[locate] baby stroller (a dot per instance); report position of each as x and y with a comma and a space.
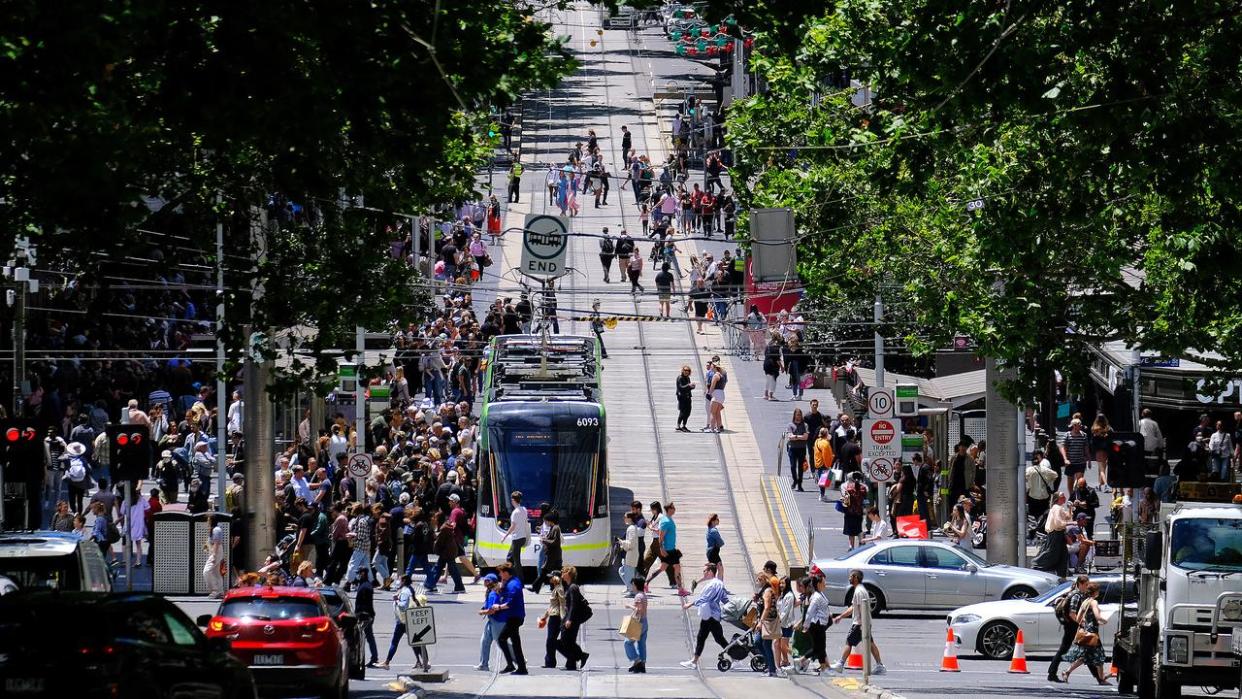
741, 613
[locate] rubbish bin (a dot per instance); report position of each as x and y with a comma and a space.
199, 539
172, 567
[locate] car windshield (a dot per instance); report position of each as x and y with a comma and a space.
854, 552
972, 557
1051, 594
552, 465
1207, 544
270, 608
43, 572
333, 600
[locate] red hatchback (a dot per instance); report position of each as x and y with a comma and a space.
287, 638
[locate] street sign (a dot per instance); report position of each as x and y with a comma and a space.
907, 397
880, 470
545, 241
880, 439
420, 626
880, 402
359, 465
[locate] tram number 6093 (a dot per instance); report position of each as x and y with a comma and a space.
588, 422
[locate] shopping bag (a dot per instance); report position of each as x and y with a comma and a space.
631, 627
911, 527
807, 381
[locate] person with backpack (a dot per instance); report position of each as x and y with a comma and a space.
77, 475
1066, 609
624, 248
852, 497
577, 612
607, 251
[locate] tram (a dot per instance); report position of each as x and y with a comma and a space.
543, 432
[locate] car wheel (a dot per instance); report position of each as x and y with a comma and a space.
1019, 592
996, 640
877, 600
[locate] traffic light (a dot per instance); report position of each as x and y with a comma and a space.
1126, 467
131, 451
22, 451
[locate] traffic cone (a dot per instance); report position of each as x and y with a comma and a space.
1112, 666
855, 661
949, 662
1018, 664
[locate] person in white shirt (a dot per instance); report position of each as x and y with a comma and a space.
880, 529
815, 623
858, 607
629, 548
235, 414
1041, 480
132, 405
519, 529
1153, 438
338, 444
1220, 448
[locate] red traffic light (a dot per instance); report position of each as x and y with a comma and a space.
122, 439
136, 438
12, 434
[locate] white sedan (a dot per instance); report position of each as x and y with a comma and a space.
990, 628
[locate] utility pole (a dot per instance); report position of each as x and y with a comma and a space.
257, 417
222, 396
360, 408
16, 297
1021, 476
878, 316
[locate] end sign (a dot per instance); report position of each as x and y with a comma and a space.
545, 241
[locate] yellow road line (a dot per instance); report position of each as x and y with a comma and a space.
780, 540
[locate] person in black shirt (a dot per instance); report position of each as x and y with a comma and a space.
1069, 625
524, 311
814, 421
364, 609
664, 289
685, 389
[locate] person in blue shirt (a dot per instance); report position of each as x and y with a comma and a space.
666, 549
512, 613
491, 626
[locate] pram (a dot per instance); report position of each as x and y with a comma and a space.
742, 614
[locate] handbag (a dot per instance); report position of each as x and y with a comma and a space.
631, 627
1086, 639
807, 381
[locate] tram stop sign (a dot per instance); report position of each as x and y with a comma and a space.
545, 240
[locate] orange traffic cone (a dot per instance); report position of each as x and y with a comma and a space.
1112, 666
949, 662
1018, 664
855, 661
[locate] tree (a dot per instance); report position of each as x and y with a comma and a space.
106, 105
1039, 176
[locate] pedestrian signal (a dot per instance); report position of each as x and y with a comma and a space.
21, 450
131, 451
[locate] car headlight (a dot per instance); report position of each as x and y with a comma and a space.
966, 618
1232, 609
1179, 650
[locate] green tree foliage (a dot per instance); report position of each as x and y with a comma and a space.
1100, 140
105, 103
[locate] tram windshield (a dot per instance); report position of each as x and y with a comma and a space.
552, 465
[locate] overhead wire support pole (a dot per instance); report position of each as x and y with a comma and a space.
881, 489
222, 396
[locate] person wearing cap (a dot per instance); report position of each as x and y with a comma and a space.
168, 475
491, 627
460, 522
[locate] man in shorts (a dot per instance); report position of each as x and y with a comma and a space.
858, 607
666, 549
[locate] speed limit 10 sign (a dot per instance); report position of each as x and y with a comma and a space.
880, 402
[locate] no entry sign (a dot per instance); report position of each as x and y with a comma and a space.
881, 439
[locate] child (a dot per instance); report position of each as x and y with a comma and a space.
644, 215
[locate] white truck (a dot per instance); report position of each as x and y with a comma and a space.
1189, 617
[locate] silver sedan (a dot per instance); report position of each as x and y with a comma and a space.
917, 574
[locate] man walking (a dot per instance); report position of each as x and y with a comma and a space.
1067, 614
624, 248
627, 141
666, 549
512, 613
712, 596
515, 181
858, 607
519, 530
577, 611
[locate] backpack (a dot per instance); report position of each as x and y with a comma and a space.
77, 471
853, 502
584, 611
1061, 609
605, 246
112, 534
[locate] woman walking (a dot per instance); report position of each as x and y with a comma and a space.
635, 271
716, 392
636, 651
796, 363
551, 541
607, 252
630, 555
491, 627
772, 366
1087, 649
756, 328
790, 609
795, 448
769, 624
577, 611
815, 623
1100, 432
715, 542
552, 618
685, 389
402, 601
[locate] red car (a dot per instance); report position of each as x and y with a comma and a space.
288, 639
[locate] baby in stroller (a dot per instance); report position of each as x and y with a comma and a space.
742, 613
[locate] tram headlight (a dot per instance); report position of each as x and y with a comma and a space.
1179, 650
